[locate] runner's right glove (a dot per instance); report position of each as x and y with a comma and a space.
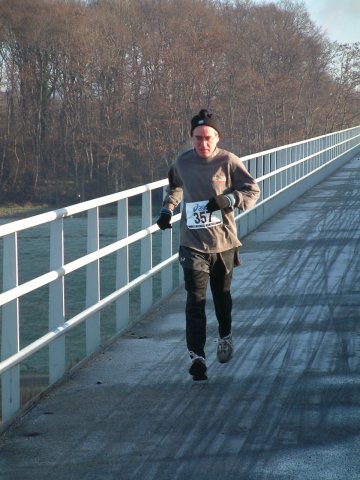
163, 222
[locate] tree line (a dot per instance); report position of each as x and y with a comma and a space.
97, 96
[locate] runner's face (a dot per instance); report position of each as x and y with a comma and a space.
205, 140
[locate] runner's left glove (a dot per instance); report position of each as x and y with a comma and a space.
220, 202
163, 222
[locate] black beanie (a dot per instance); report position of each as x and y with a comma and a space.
205, 118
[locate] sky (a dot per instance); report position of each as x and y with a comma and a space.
338, 19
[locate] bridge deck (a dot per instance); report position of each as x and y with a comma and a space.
286, 407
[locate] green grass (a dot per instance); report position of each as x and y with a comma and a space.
21, 211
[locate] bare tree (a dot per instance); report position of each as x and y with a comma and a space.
96, 96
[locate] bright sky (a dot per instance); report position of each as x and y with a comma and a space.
340, 19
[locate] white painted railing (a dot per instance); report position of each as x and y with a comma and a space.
282, 173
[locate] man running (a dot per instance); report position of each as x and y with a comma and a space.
212, 182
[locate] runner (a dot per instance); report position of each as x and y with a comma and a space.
212, 182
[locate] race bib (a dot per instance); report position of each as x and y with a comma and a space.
198, 217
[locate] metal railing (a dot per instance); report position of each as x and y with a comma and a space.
283, 174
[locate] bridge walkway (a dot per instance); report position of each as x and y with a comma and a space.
286, 406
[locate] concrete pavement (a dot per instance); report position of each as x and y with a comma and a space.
286, 406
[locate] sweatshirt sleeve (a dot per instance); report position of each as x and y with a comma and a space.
245, 189
174, 192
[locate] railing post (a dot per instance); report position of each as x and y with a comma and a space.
93, 283
122, 266
10, 335
273, 167
266, 170
254, 168
56, 302
283, 164
305, 163
166, 252
146, 254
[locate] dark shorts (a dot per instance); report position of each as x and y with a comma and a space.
203, 262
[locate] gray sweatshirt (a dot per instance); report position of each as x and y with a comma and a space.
195, 180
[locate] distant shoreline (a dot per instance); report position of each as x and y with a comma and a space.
21, 211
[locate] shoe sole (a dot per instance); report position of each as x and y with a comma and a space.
198, 371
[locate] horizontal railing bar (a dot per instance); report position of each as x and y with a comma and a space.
46, 339
49, 277
47, 217
305, 159
301, 142
290, 185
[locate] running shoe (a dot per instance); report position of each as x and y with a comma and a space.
198, 367
225, 349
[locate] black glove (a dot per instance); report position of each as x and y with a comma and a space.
163, 222
220, 202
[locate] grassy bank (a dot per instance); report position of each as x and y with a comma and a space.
22, 211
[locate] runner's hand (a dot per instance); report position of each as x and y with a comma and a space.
220, 202
163, 222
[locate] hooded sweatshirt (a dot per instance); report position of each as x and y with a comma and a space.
195, 180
